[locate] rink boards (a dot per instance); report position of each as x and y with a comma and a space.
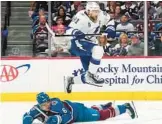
125, 79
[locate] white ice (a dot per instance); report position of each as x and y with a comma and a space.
149, 112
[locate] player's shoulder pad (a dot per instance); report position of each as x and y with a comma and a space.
57, 106
80, 14
55, 101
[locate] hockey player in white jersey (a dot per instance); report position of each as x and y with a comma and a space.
88, 21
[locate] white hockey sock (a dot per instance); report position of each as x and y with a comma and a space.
97, 53
117, 111
93, 68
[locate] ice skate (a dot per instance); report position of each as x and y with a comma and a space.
130, 110
107, 105
93, 79
68, 84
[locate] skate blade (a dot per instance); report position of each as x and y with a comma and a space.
65, 84
135, 110
97, 85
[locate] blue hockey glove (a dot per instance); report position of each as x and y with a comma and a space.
78, 34
111, 32
56, 119
27, 119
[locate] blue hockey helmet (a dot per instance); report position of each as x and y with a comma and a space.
42, 98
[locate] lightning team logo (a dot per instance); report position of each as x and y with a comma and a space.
10, 73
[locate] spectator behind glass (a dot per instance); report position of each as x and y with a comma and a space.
41, 4
74, 7
130, 9
102, 41
121, 49
59, 21
39, 13
160, 46
62, 13
36, 16
152, 14
159, 10
124, 24
32, 8
111, 5
112, 15
41, 28
35, 6
157, 41
80, 7
137, 47
117, 14
60, 45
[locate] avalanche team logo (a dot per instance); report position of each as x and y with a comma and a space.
10, 73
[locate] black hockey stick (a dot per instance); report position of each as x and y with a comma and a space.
135, 110
46, 117
69, 35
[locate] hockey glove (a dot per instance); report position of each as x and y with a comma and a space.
110, 30
56, 119
78, 34
27, 119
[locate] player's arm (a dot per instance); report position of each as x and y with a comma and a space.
106, 18
29, 117
110, 29
109, 24
56, 119
75, 27
64, 115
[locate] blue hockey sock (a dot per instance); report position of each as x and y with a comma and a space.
122, 109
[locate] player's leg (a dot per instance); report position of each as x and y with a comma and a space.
69, 81
97, 54
115, 111
102, 106
94, 114
91, 77
84, 51
90, 55
85, 62
89, 115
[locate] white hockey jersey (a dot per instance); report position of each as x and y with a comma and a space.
83, 23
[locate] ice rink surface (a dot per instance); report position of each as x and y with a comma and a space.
149, 112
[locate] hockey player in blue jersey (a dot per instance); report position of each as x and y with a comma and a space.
88, 21
54, 111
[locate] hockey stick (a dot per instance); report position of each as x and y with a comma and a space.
46, 117
69, 35
134, 108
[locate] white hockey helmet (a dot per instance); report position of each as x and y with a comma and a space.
92, 6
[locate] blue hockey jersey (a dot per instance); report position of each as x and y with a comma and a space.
68, 111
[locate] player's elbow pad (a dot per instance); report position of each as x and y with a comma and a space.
110, 30
27, 119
